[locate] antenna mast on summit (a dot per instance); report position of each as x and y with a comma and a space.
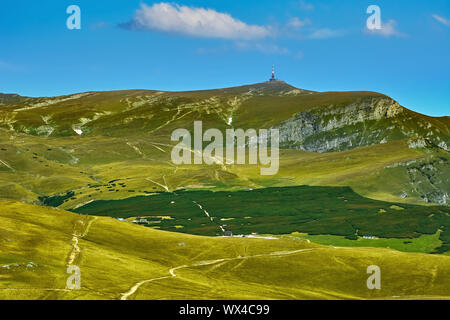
273, 74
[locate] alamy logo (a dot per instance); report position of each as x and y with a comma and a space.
74, 20
244, 144
74, 280
374, 21
374, 281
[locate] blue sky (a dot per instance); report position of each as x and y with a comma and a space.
316, 45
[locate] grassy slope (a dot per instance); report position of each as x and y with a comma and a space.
11, 98
315, 210
36, 166
131, 130
119, 113
116, 255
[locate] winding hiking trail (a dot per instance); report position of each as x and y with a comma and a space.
172, 273
79, 232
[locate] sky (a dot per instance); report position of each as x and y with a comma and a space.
190, 45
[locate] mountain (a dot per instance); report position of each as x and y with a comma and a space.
11, 98
356, 139
312, 121
86, 180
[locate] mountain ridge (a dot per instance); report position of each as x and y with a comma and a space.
97, 129
267, 86
300, 114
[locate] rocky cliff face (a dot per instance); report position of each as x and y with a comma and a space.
362, 123
428, 179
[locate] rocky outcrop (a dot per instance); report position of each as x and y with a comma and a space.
363, 123
427, 179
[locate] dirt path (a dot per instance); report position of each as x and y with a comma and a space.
7, 165
80, 230
172, 273
165, 187
208, 215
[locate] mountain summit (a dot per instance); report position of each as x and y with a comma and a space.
274, 87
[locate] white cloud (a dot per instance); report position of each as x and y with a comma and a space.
308, 31
442, 20
387, 30
325, 33
198, 22
297, 23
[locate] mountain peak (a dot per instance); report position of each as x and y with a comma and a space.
271, 87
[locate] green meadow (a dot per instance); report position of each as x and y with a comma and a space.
334, 211
424, 243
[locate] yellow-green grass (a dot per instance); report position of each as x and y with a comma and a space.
131, 129
424, 243
115, 256
359, 168
46, 166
